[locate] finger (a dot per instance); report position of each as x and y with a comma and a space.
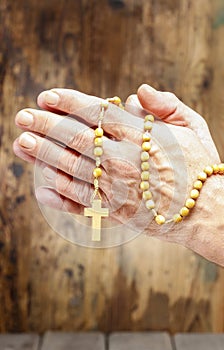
59, 157
68, 131
73, 133
21, 154
50, 197
24, 156
118, 123
71, 188
162, 104
169, 108
59, 181
134, 101
133, 106
45, 195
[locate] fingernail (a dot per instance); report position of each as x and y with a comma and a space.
24, 118
49, 173
27, 141
51, 98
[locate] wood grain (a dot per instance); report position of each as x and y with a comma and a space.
103, 48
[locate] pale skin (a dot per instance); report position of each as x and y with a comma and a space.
181, 146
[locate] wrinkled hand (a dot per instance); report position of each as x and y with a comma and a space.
60, 137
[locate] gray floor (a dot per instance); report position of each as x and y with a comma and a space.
115, 341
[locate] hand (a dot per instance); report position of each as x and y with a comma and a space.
182, 147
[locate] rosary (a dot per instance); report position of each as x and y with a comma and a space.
97, 212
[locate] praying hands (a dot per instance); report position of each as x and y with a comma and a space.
61, 137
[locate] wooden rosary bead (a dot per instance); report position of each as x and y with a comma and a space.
144, 156
190, 203
194, 194
97, 172
144, 185
145, 175
149, 118
146, 195
184, 211
198, 185
177, 218
98, 151
208, 170
99, 132
148, 125
146, 136
160, 219
215, 168
145, 166
98, 141
116, 100
202, 176
146, 146
221, 168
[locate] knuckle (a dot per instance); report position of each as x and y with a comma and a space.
70, 162
77, 191
84, 193
82, 141
66, 100
64, 185
44, 126
45, 149
83, 169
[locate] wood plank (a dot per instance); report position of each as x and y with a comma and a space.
19, 341
199, 341
73, 341
141, 341
91, 45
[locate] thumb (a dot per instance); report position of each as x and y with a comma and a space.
166, 106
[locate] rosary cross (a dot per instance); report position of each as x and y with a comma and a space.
96, 212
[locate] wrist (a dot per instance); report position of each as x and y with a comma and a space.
203, 230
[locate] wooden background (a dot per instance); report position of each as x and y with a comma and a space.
103, 47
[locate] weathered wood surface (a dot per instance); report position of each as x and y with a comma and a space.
143, 341
104, 48
19, 342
